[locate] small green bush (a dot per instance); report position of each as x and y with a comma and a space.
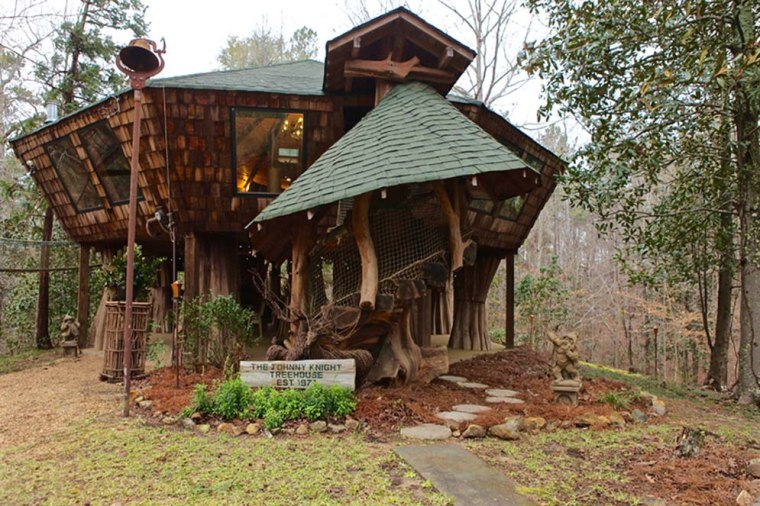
202, 403
235, 399
232, 399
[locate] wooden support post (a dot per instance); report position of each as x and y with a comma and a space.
509, 341
83, 294
299, 283
456, 246
42, 339
192, 271
360, 229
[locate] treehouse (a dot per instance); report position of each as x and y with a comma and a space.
359, 193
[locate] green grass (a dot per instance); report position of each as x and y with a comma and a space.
137, 464
574, 467
19, 361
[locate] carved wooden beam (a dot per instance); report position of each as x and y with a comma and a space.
396, 71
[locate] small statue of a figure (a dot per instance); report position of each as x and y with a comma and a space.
567, 381
70, 335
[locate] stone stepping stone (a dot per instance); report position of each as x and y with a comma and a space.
471, 408
427, 431
501, 392
453, 379
458, 473
456, 416
504, 400
473, 385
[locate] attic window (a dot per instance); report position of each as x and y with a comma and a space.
111, 166
73, 175
268, 149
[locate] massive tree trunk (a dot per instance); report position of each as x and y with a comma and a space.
717, 375
471, 284
748, 165
42, 338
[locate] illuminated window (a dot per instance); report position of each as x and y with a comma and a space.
268, 148
73, 175
110, 164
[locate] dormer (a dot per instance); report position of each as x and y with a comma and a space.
398, 46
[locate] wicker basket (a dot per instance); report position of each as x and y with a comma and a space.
113, 366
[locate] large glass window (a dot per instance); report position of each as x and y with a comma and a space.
111, 166
74, 176
268, 149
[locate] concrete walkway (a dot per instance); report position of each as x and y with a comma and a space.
458, 473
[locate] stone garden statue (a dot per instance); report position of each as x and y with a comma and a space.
567, 382
70, 335
565, 356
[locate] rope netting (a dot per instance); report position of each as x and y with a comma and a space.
406, 236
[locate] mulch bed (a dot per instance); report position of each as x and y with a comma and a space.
160, 388
521, 369
715, 477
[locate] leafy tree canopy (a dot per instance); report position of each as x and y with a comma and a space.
266, 47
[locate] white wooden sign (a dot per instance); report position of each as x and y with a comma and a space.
300, 373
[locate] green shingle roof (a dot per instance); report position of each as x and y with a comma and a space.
412, 136
294, 78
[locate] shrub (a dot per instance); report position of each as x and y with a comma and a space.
202, 403
234, 399
216, 329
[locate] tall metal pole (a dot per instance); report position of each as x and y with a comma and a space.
140, 60
131, 232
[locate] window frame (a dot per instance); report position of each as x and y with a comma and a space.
90, 158
47, 147
233, 145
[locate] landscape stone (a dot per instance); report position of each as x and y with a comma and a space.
503, 431
456, 433
203, 428
225, 427
196, 416
474, 431
754, 468
336, 428
534, 423
188, 423
145, 404
453, 379
627, 416
658, 407
456, 416
427, 431
566, 424
591, 420
639, 416
253, 429
471, 408
616, 419
472, 385
289, 430
501, 392
352, 425
552, 425
515, 423
504, 400
318, 426
168, 420
745, 499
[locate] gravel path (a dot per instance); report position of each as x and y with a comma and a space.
46, 399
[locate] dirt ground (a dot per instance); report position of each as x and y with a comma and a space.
45, 399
